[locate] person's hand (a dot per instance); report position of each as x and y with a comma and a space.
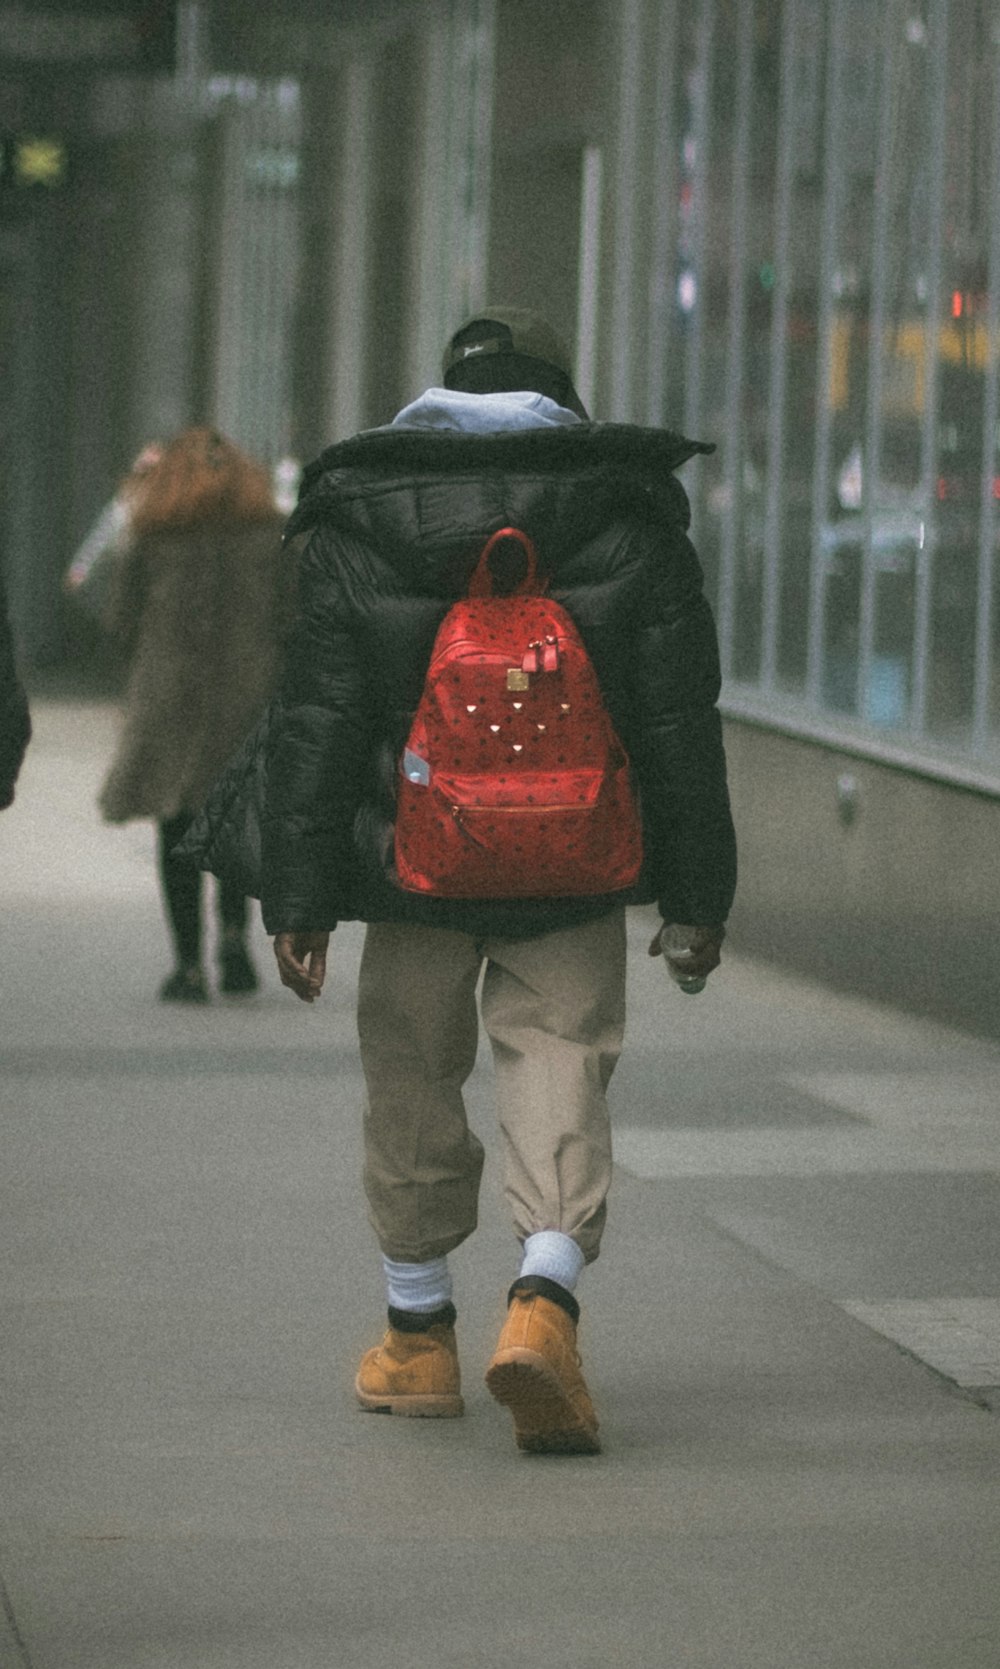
689, 952
301, 961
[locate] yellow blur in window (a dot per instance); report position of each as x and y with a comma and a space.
39, 161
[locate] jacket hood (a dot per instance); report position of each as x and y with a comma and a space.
376, 458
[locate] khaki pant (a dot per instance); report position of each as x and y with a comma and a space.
554, 1011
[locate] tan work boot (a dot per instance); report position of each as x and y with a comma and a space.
535, 1372
412, 1373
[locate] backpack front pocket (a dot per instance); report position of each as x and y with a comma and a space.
524, 834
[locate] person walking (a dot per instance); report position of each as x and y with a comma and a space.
199, 603
396, 521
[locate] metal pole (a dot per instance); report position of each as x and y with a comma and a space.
876, 349
266, 205
630, 43
832, 200
352, 186
478, 54
432, 322
470, 104
453, 274
284, 246
588, 270
771, 599
988, 527
663, 252
192, 50
733, 520
693, 366
938, 48
231, 277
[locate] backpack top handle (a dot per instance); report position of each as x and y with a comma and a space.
484, 581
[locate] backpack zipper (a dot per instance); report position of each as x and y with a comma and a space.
460, 813
488, 659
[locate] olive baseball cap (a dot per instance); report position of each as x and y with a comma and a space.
515, 331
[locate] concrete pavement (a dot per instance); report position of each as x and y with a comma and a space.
793, 1335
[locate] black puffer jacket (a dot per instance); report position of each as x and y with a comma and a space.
397, 519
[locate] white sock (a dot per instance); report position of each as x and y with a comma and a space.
417, 1286
553, 1255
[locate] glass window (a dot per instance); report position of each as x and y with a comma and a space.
835, 203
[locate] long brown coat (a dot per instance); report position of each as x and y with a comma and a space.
203, 611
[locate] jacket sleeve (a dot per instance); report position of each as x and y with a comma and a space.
318, 749
15, 723
93, 573
679, 756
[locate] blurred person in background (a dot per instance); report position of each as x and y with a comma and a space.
199, 605
15, 723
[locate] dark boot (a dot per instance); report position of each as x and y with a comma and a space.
186, 985
237, 973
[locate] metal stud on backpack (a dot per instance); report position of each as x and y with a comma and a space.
513, 782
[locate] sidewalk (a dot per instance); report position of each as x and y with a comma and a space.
793, 1335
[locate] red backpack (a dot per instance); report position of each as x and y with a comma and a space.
513, 783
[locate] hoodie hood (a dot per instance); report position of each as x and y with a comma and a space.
482, 414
